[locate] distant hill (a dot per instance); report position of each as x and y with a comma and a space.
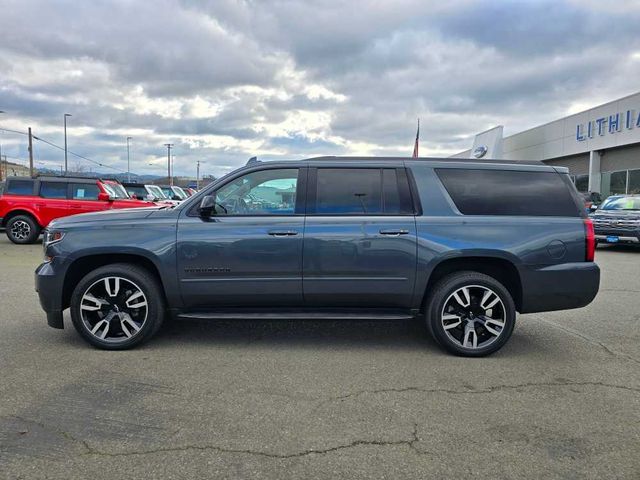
14, 169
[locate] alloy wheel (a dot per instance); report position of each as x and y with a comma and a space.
20, 230
473, 316
114, 309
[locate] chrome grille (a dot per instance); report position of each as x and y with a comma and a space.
617, 223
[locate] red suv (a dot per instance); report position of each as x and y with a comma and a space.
29, 204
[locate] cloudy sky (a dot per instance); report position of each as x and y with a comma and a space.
224, 80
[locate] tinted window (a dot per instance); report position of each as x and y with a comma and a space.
20, 187
267, 192
390, 192
360, 191
85, 191
349, 191
53, 189
502, 192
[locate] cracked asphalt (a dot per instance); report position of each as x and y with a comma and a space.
319, 399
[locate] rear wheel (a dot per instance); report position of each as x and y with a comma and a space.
22, 229
117, 306
470, 314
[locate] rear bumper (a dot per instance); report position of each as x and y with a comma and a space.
559, 287
49, 286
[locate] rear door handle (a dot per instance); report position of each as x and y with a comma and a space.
282, 233
394, 232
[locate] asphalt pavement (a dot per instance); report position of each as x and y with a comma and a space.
320, 399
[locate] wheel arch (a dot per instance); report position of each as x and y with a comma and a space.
500, 268
85, 264
21, 211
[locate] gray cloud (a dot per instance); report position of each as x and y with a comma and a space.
226, 79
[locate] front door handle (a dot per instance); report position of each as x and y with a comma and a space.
282, 233
394, 232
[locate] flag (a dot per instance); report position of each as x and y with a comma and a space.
415, 147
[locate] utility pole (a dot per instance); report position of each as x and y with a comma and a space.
128, 161
198, 175
173, 171
30, 153
65, 142
169, 146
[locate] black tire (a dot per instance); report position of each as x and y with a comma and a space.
477, 282
133, 277
22, 229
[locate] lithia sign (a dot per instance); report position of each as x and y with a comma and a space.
611, 124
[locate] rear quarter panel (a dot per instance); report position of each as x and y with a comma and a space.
529, 243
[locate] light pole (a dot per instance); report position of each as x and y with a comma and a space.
128, 161
169, 146
65, 143
198, 175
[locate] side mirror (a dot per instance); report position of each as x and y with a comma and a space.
593, 208
207, 206
150, 198
176, 197
105, 197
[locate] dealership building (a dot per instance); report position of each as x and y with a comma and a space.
600, 146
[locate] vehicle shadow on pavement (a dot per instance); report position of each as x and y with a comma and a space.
405, 335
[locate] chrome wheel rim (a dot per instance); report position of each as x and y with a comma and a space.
20, 230
473, 317
114, 309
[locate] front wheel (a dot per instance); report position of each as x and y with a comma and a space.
470, 314
117, 306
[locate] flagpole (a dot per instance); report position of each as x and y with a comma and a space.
417, 142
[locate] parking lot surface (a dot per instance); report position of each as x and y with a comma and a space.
319, 399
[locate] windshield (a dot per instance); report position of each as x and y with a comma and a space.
110, 190
178, 191
622, 203
157, 192
137, 190
119, 190
168, 193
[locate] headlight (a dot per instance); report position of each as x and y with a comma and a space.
52, 237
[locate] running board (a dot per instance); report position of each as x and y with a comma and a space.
300, 314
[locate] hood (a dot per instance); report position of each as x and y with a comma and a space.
122, 214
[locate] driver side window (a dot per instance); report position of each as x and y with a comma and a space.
266, 192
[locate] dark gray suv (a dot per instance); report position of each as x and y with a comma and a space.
462, 244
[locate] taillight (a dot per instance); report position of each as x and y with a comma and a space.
590, 240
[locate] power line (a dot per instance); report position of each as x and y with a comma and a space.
60, 148
13, 131
75, 154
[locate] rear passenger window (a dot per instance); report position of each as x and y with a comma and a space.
19, 187
53, 189
505, 192
349, 191
85, 191
360, 191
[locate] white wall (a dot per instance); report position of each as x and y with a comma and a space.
559, 138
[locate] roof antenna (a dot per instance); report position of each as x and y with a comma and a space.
253, 161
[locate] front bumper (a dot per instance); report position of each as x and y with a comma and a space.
559, 287
624, 236
49, 286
